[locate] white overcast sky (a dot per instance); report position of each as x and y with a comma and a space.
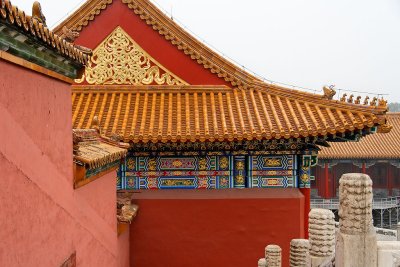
352, 44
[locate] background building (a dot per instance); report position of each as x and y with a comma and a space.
376, 155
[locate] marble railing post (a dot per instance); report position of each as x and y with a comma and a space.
273, 256
321, 236
299, 253
262, 262
398, 231
356, 241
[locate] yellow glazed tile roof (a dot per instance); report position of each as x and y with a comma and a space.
35, 27
94, 151
375, 146
251, 110
215, 113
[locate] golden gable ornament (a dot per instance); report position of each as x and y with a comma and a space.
119, 60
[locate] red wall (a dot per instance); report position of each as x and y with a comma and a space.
123, 250
119, 14
214, 228
43, 219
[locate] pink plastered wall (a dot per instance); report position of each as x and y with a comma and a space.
124, 250
43, 220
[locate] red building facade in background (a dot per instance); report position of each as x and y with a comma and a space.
376, 155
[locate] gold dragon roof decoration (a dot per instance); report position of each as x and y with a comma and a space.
120, 60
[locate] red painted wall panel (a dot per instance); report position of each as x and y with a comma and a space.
38, 103
119, 14
214, 228
100, 195
43, 220
123, 249
35, 231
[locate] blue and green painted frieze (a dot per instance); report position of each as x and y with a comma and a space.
214, 171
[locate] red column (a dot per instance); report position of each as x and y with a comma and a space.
307, 206
326, 180
334, 180
364, 170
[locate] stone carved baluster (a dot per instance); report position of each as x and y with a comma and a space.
396, 260
262, 263
321, 236
356, 241
299, 253
398, 232
273, 256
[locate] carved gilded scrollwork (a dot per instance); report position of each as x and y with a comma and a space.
119, 60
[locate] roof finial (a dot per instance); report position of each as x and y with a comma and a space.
385, 128
329, 92
69, 35
37, 13
382, 103
366, 100
95, 124
373, 102
116, 137
343, 98
358, 100
350, 100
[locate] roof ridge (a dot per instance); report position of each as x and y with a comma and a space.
319, 100
35, 27
89, 10
190, 45
172, 32
196, 50
151, 87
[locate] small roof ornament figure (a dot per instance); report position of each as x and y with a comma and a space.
38, 14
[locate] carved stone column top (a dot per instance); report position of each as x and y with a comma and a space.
355, 180
322, 214
299, 253
273, 249
321, 232
300, 243
273, 256
357, 244
355, 210
262, 262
